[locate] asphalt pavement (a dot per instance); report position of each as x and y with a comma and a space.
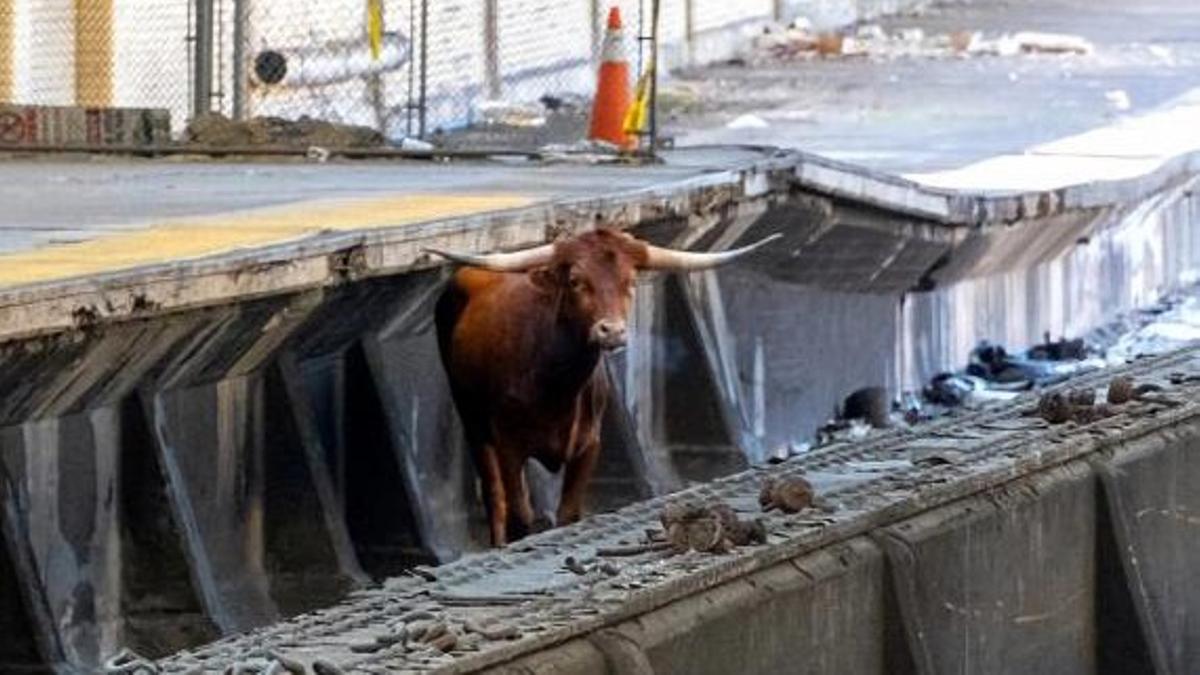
911, 114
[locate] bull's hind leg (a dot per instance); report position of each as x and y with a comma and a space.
494, 496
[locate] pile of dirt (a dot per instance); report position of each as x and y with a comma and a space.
214, 129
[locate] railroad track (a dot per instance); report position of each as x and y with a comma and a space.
489, 608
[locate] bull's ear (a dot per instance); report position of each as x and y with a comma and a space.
545, 277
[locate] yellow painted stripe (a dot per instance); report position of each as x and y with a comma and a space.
195, 237
93, 53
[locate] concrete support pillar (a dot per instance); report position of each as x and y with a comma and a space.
93, 52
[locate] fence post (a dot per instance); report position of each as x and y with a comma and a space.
8, 19
93, 52
597, 32
689, 29
422, 101
491, 49
241, 16
203, 63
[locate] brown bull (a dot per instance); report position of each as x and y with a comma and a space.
521, 336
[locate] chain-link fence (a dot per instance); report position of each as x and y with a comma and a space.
465, 71
484, 68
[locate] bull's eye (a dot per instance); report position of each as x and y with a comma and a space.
577, 283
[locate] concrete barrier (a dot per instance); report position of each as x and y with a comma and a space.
1080, 568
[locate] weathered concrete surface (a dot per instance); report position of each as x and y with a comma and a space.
1015, 557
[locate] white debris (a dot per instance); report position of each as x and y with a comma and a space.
409, 143
1162, 53
870, 31
747, 121
1118, 99
581, 152
790, 115
801, 23
512, 114
1053, 43
872, 41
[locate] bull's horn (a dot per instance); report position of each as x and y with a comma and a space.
517, 261
669, 259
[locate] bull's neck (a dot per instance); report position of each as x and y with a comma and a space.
569, 362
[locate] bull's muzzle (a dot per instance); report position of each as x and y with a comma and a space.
609, 333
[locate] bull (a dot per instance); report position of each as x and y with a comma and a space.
521, 337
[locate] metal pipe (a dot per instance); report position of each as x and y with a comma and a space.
654, 76
424, 68
241, 16
491, 49
202, 66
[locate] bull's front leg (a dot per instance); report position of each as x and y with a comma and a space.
494, 495
577, 475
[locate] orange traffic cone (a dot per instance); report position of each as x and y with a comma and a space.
613, 89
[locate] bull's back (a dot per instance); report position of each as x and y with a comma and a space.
471, 321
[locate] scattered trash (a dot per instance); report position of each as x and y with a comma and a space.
873, 42
1123, 389
574, 566
934, 456
512, 114
128, 662
747, 122
711, 528
1118, 99
491, 630
635, 549
1074, 405
1052, 43
790, 495
415, 144
1162, 53
582, 152
322, 667
1061, 350
869, 404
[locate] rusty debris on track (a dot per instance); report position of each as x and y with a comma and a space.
490, 608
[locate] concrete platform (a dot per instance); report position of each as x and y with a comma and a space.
73, 218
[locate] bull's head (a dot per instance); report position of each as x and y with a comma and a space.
594, 274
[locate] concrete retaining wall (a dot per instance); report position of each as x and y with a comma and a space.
178, 472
